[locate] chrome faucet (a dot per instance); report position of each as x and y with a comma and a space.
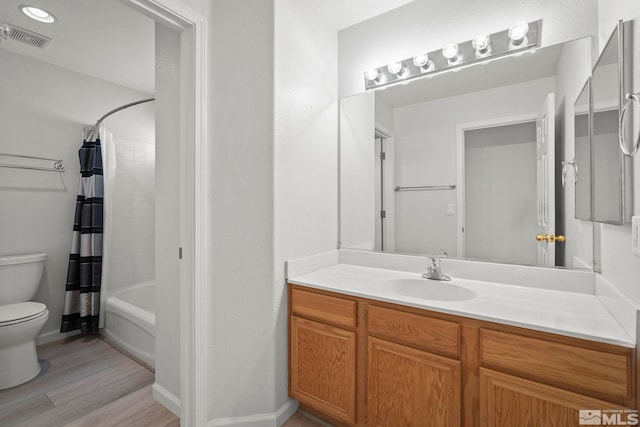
434, 270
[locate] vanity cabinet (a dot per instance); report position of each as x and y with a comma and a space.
538, 380
507, 400
356, 361
322, 364
410, 387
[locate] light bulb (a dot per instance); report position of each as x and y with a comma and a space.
395, 67
38, 14
450, 50
420, 60
482, 45
423, 62
518, 35
451, 53
372, 74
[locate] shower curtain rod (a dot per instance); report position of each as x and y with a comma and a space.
94, 129
122, 107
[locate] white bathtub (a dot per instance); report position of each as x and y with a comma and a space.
130, 321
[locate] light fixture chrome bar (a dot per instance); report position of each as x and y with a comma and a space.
58, 165
426, 187
500, 46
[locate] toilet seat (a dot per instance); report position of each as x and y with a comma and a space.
21, 312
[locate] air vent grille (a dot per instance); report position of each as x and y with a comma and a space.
26, 36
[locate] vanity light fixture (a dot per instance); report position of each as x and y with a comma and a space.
452, 53
423, 62
37, 14
372, 75
397, 69
522, 37
518, 35
482, 45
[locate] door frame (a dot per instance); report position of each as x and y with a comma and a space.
387, 191
192, 29
461, 128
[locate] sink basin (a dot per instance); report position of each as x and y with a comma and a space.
431, 290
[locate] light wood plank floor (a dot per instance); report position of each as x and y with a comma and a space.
84, 382
302, 419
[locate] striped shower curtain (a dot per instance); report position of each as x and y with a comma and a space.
82, 295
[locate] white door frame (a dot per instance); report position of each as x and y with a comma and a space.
388, 190
192, 28
461, 128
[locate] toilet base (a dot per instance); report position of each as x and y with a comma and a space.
18, 364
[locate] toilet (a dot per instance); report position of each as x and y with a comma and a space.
21, 320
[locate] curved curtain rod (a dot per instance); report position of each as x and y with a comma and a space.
122, 107
92, 131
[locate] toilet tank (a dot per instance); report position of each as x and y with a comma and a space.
20, 277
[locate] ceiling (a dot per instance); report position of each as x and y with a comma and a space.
101, 38
111, 41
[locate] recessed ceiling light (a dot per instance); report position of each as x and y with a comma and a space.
36, 13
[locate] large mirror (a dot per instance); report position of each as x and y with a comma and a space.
467, 163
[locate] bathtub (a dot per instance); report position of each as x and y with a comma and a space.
130, 321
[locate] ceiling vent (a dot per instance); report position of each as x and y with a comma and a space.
26, 36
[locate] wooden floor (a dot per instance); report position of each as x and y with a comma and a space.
300, 419
87, 382
84, 382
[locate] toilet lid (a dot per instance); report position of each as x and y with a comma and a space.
21, 312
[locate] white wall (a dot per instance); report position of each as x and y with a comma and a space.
244, 307
619, 265
425, 141
424, 25
306, 148
43, 111
167, 213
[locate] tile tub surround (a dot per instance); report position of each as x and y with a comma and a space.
541, 303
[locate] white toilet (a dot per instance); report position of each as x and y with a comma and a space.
21, 320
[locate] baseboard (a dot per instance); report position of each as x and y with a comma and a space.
275, 419
286, 411
54, 336
167, 399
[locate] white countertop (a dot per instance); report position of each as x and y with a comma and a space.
572, 314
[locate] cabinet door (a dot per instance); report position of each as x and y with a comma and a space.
409, 387
507, 401
323, 368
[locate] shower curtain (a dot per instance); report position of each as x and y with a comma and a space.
84, 274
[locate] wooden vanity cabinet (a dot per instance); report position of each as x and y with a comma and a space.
507, 400
360, 362
543, 379
322, 353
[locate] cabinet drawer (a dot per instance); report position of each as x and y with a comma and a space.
338, 311
565, 365
435, 335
